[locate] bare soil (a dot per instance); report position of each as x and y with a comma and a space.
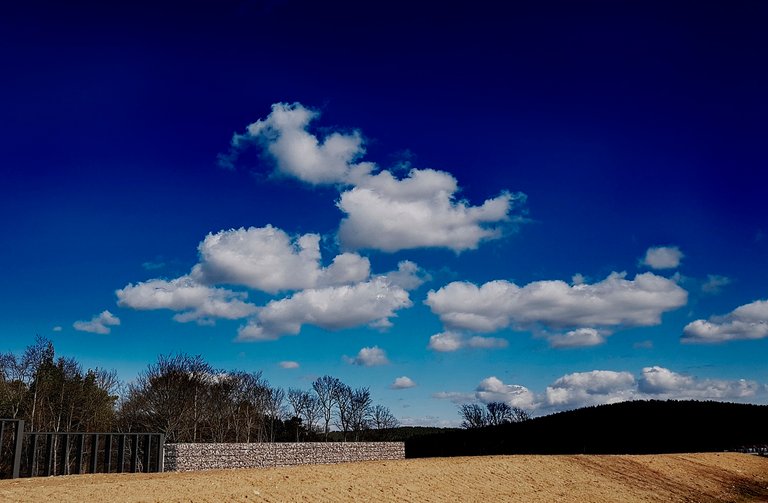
659, 478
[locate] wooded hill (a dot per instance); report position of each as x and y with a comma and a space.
639, 427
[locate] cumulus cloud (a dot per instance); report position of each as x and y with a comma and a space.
99, 324
193, 301
749, 321
369, 357
492, 389
268, 259
579, 338
663, 383
382, 211
612, 302
581, 389
662, 257
371, 302
297, 152
403, 382
289, 364
715, 283
453, 341
388, 214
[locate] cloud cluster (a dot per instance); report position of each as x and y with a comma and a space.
749, 321
382, 212
662, 257
268, 259
452, 341
372, 302
192, 301
612, 302
99, 324
597, 387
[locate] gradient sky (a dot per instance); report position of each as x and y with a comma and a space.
556, 204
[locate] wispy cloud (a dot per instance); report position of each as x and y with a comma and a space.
715, 283
452, 341
99, 324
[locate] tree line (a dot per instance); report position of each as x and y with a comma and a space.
184, 397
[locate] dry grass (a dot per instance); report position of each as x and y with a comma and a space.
664, 478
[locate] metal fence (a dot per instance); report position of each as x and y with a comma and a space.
31, 454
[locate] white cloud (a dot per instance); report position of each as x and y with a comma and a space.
403, 382
715, 283
297, 152
452, 341
597, 387
432, 421
454, 396
662, 257
382, 212
579, 338
613, 302
195, 302
408, 276
99, 324
369, 357
57, 328
372, 302
749, 321
492, 389
268, 259
664, 383
388, 214
289, 364
590, 388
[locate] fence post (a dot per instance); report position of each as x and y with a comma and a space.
17, 449
161, 454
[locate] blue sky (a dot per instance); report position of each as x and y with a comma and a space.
554, 204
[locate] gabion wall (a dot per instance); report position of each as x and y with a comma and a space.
187, 457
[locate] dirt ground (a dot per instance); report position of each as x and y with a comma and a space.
664, 478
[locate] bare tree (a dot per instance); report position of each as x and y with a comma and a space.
494, 413
297, 399
498, 413
360, 405
473, 415
325, 389
382, 418
274, 410
342, 395
519, 415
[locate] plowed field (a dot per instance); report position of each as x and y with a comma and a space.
663, 478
